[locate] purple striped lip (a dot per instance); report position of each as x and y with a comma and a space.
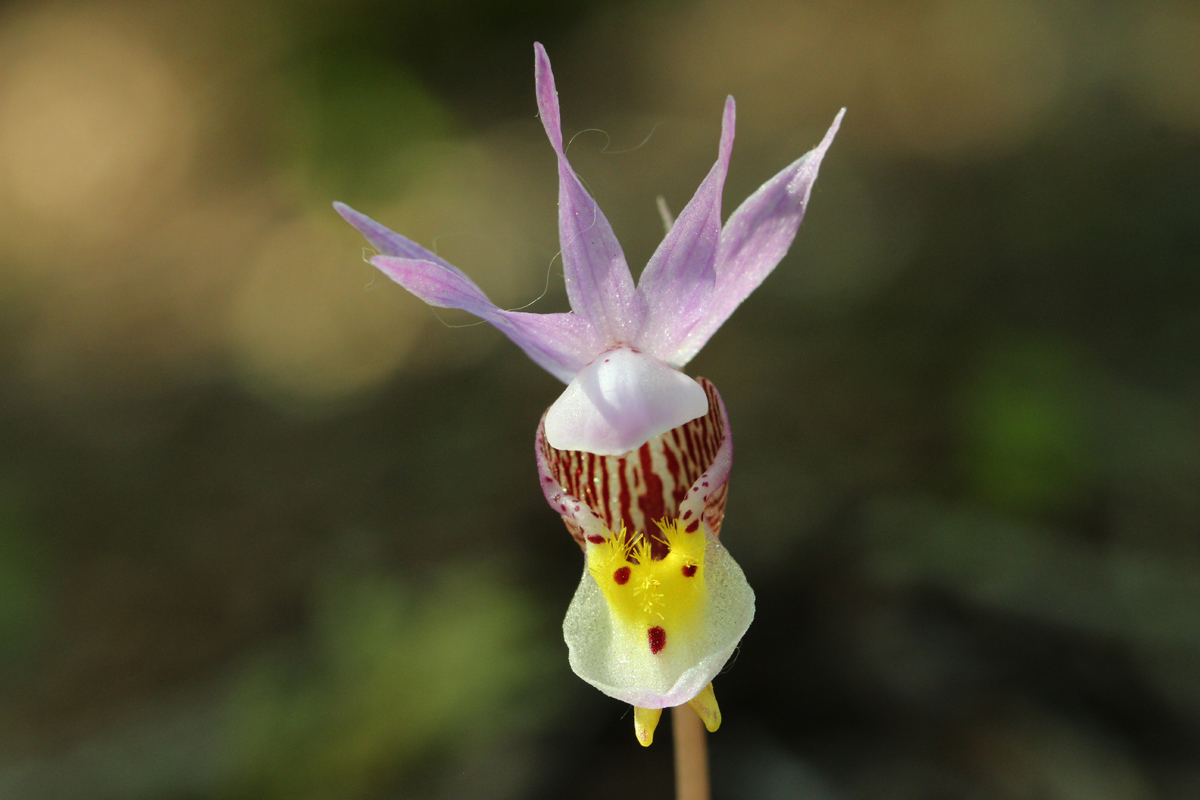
682, 474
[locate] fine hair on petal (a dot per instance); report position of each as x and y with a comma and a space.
608, 142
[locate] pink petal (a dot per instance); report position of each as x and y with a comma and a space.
754, 240
388, 241
562, 344
620, 401
678, 281
599, 284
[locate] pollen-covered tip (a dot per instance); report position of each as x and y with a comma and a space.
645, 720
705, 706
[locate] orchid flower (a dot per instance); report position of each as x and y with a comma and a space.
635, 455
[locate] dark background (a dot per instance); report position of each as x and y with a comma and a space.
270, 527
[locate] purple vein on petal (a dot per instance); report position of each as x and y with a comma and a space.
599, 284
678, 281
756, 237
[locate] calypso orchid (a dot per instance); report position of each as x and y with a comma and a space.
635, 455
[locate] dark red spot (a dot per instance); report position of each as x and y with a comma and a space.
692, 528
687, 514
689, 571
606, 361
658, 639
548, 479
596, 538
704, 484
621, 576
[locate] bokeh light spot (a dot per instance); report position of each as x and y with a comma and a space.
309, 326
93, 125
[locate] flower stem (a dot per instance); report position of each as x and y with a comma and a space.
691, 754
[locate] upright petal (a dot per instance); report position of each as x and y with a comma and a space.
561, 344
755, 239
678, 281
599, 284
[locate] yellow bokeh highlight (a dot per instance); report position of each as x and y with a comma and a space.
644, 593
309, 327
97, 126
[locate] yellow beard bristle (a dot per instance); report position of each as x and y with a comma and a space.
643, 593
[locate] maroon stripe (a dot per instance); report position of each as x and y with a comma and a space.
589, 487
638, 491
692, 450
624, 506
605, 489
653, 504
678, 489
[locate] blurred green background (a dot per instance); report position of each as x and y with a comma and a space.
270, 527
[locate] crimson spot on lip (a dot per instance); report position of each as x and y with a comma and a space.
596, 538
692, 528
687, 514
658, 639
621, 576
689, 571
